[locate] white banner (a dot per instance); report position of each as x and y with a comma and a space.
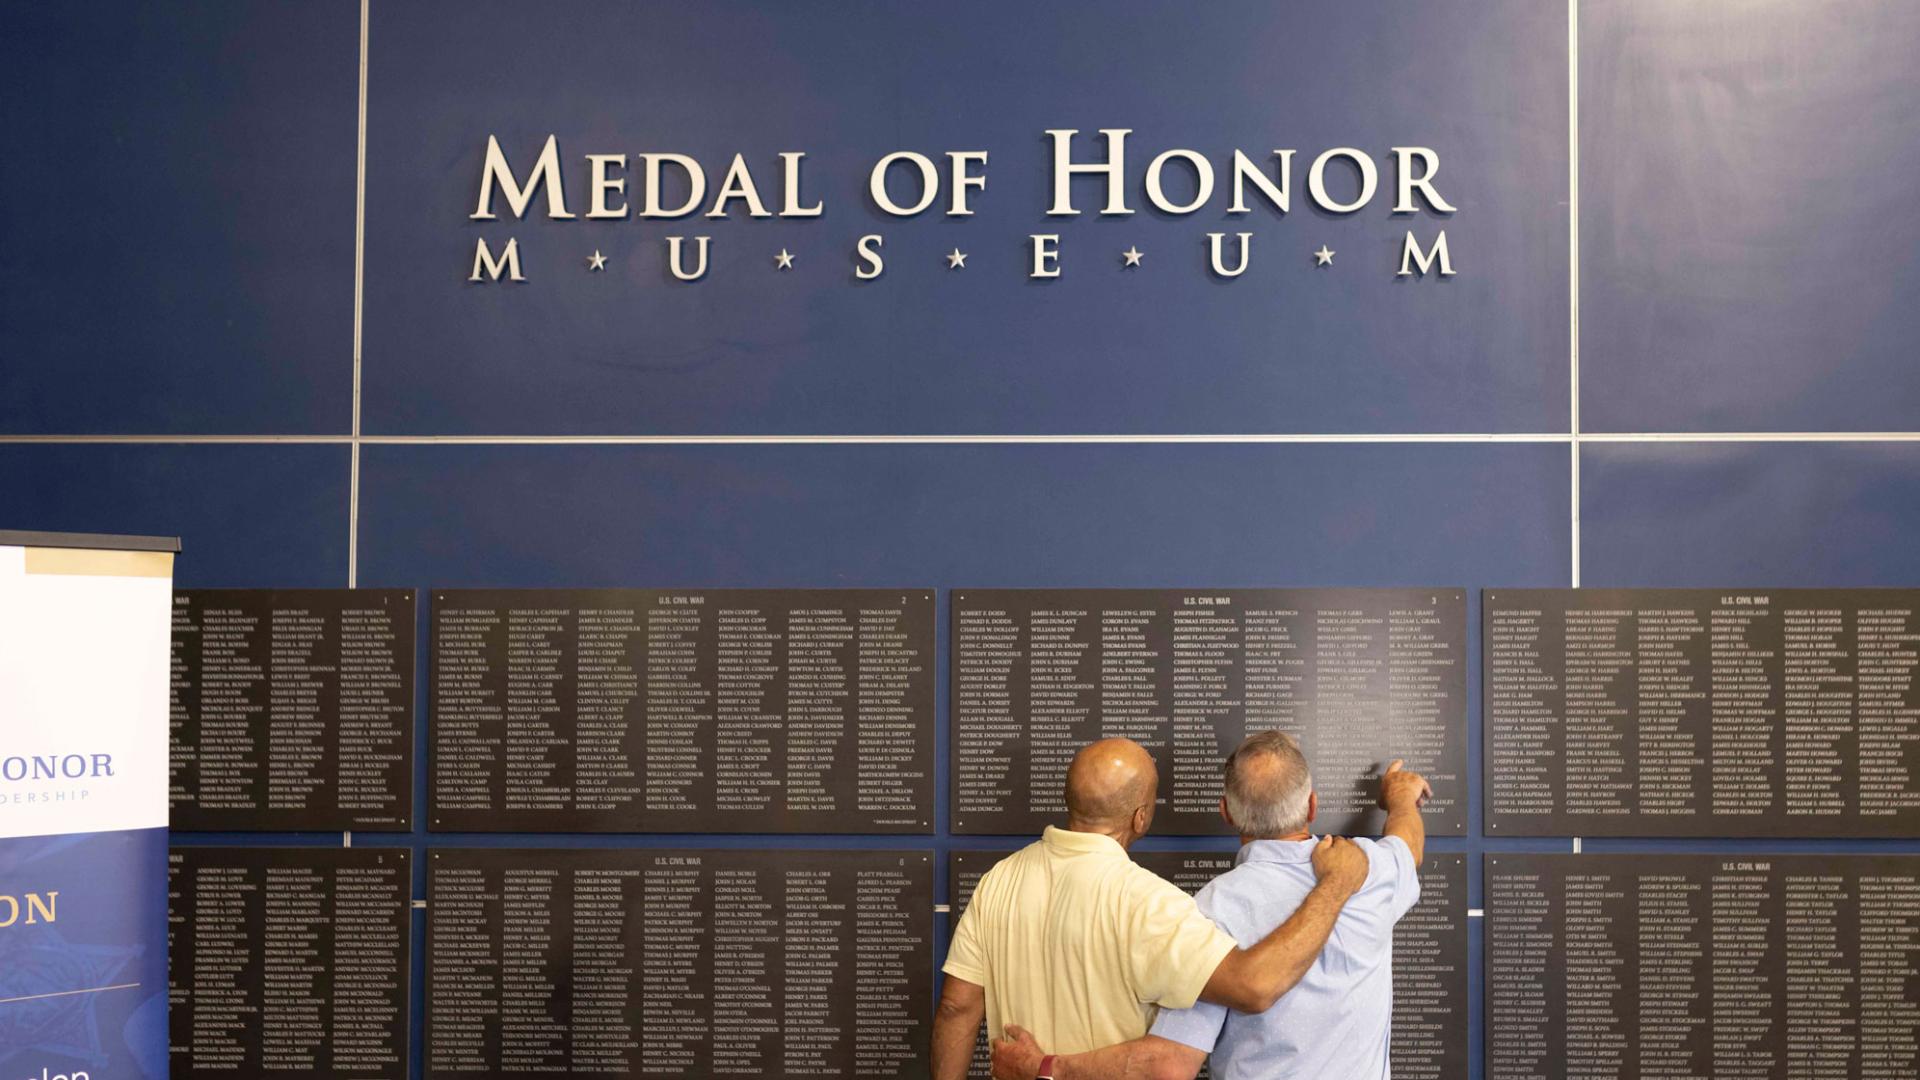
83, 690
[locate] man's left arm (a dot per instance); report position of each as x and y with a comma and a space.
963, 1005
1018, 1057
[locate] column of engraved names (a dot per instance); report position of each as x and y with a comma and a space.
680, 703
297, 673
887, 1013
1887, 651
747, 716
1132, 666
368, 964
821, 658
1817, 706
295, 936
1595, 956
1058, 700
600, 1019
747, 970
988, 732
1820, 994
539, 687
1206, 701
464, 972
1889, 966
1523, 706
606, 689
1274, 666
207, 971
535, 1036
375, 711
1745, 992
1524, 1032
674, 960
1670, 700
1423, 968
183, 703
1671, 1014
887, 736
232, 676
469, 710
1746, 711
1599, 659
1350, 686
1420, 663
811, 1030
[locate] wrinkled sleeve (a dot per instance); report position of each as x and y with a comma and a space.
1397, 871
1198, 1027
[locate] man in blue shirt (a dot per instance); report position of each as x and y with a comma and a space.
1335, 1024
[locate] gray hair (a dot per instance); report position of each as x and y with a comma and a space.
1268, 785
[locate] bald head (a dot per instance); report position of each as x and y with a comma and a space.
1108, 781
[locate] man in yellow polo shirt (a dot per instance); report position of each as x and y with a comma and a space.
1079, 944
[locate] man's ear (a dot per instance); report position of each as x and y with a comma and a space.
1227, 817
1142, 819
1313, 806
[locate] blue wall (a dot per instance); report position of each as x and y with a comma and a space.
184, 321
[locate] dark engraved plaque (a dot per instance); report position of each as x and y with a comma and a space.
724, 710
709, 963
1430, 975
1750, 966
1702, 712
1361, 676
288, 962
1429, 952
292, 709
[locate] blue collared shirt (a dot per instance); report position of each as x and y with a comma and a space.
1337, 1023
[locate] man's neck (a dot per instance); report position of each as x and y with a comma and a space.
1122, 836
1303, 834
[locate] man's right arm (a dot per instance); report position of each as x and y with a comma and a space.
956, 1024
1401, 793
1018, 1057
1252, 979
963, 999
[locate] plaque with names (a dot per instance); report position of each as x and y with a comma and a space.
1702, 712
1752, 966
678, 963
1360, 676
292, 710
289, 962
708, 711
1429, 952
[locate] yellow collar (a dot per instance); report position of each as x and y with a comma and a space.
1066, 841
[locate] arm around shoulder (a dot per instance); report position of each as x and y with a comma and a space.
1018, 1057
1252, 979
